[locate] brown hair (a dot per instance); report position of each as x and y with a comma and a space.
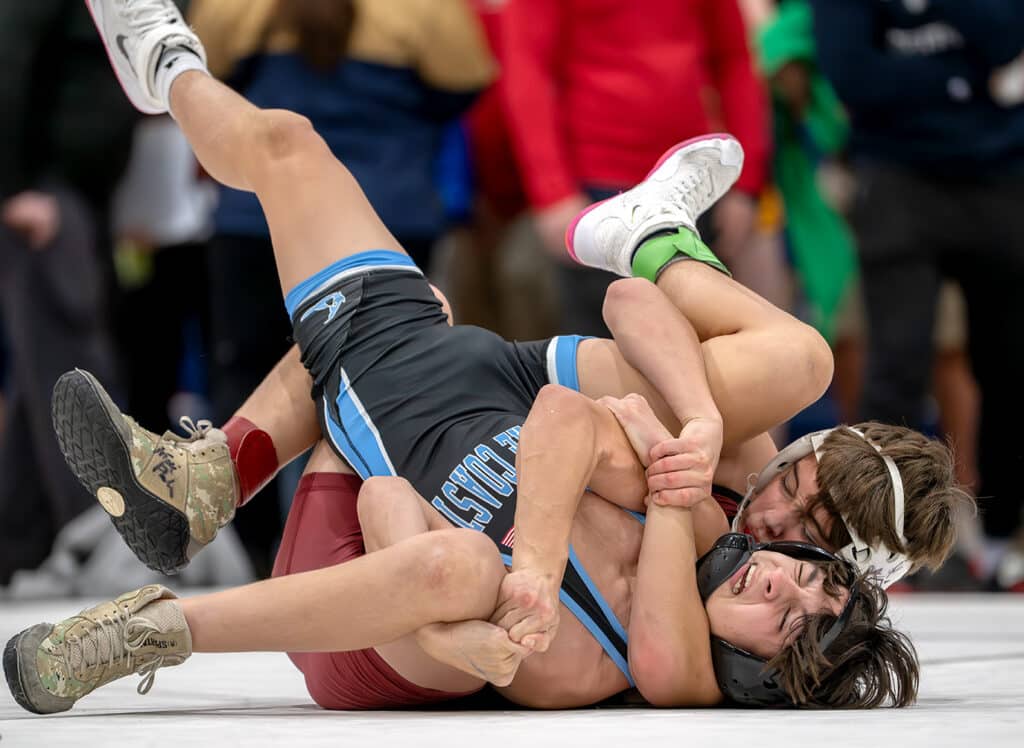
323, 27
869, 664
854, 482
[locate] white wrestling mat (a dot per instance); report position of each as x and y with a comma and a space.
972, 694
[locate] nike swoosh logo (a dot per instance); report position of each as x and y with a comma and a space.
120, 45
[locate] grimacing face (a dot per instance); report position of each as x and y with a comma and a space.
776, 512
758, 609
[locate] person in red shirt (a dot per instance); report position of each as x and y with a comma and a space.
595, 90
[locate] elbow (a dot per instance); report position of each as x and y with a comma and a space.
623, 298
555, 397
653, 672
665, 680
569, 406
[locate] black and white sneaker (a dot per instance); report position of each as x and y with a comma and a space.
136, 34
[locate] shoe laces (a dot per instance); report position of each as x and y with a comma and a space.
200, 434
145, 15
196, 430
113, 641
693, 190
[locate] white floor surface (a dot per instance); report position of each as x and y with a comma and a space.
972, 694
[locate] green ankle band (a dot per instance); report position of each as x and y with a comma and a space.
657, 252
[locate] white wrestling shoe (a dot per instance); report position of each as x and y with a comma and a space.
688, 180
136, 34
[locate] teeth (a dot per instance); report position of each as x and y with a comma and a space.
742, 584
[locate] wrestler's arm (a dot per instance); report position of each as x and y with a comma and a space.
669, 635
645, 432
669, 638
567, 445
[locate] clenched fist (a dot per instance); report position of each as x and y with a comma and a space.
528, 609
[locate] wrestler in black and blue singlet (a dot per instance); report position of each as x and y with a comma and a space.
400, 392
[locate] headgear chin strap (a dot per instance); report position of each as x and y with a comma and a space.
742, 676
889, 566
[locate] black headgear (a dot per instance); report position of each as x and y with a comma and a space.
741, 675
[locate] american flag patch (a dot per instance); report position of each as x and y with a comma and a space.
509, 541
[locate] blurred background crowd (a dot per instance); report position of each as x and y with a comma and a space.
882, 201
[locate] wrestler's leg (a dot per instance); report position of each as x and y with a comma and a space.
762, 364
450, 575
391, 511
317, 215
448, 658
316, 211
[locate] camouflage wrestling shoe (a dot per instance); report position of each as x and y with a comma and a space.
167, 495
50, 667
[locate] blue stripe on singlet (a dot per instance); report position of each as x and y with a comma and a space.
343, 443
588, 622
355, 436
605, 608
606, 645
357, 263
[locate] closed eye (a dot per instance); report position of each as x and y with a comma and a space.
815, 570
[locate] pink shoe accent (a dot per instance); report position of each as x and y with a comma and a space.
571, 231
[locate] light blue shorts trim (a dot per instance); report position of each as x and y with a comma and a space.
561, 360
374, 259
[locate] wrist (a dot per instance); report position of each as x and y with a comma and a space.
544, 565
709, 418
431, 639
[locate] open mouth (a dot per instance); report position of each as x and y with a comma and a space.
742, 578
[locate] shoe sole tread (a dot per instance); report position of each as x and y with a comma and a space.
98, 456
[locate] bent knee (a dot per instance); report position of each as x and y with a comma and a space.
380, 488
379, 498
816, 354
378, 494
283, 134
463, 565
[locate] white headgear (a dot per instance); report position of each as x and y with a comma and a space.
889, 566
